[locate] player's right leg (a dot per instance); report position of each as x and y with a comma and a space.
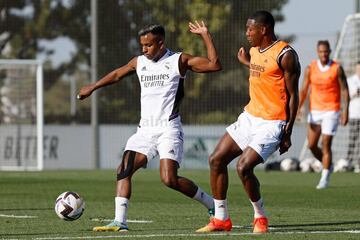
132, 161
245, 169
169, 176
313, 136
326, 161
328, 130
225, 151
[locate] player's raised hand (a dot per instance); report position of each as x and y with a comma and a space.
85, 91
243, 56
198, 28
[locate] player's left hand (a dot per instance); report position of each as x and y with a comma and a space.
344, 118
243, 56
198, 28
285, 143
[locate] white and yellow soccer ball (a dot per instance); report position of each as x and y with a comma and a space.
69, 206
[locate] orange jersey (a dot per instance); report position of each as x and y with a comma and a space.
324, 87
268, 95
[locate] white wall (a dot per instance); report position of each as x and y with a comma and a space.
69, 146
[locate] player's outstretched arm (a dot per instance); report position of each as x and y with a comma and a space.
344, 96
243, 57
211, 63
291, 67
110, 78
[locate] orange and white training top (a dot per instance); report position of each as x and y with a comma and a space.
268, 95
324, 86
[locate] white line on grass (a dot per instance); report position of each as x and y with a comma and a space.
251, 227
15, 216
196, 235
129, 220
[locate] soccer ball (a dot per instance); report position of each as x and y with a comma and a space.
69, 206
305, 165
342, 165
310, 165
289, 164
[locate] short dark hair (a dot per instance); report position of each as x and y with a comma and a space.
323, 42
155, 29
264, 17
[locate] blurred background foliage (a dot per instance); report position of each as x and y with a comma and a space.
27, 27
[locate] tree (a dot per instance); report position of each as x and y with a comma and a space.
26, 23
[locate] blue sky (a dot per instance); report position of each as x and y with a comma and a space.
313, 20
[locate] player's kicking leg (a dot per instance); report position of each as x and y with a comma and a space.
169, 176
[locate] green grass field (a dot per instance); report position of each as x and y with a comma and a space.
296, 209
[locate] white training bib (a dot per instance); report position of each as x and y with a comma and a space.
162, 89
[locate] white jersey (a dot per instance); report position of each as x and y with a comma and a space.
354, 106
162, 89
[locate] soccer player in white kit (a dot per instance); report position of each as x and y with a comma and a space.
161, 74
353, 153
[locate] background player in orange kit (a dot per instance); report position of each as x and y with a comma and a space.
327, 81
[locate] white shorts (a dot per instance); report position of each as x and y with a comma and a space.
168, 143
263, 136
329, 121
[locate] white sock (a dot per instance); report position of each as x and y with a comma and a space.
121, 207
204, 198
221, 211
325, 173
258, 208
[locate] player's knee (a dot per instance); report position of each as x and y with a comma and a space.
242, 169
126, 167
169, 181
215, 162
312, 146
326, 146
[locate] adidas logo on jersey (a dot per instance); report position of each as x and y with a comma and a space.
172, 151
143, 68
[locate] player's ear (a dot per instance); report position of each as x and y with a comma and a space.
264, 30
161, 43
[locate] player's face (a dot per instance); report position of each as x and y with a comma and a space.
254, 32
151, 45
323, 52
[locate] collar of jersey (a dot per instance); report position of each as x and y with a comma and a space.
324, 68
263, 50
166, 54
